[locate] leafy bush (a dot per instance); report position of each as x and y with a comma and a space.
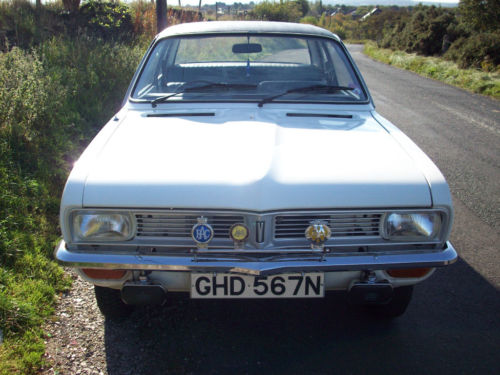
432, 31
425, 31
309, 19
481, 15
144, 18
480, 51
31, 112
25, 25
287, 11
52, 101
55, 94
71, 5
32, 143
96, 74
106, 19
436, 68
17, 21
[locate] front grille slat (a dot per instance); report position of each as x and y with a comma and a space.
342, 225
347, 230
179, 226
350, 222
290, 226
334, 225
175, 220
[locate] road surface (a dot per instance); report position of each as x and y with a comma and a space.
452, 325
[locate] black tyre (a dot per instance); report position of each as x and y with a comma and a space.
110, 303
396, 306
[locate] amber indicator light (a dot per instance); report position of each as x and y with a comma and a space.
409, 272
103, 274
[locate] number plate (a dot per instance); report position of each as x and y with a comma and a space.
223, 285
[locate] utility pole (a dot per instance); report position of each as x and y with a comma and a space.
161, 15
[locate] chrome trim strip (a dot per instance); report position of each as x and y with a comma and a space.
219, 244
244, 264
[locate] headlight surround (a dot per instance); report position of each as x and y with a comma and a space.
101, 226
413, 226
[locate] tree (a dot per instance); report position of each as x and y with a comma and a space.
71, 5
283, 11
317, 8
303, 5
426, 30
481, 15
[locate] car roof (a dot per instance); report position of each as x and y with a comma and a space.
264, 27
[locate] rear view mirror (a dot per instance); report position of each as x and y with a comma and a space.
247, 48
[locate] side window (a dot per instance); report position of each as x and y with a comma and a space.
342, 74
152, 74
315, 54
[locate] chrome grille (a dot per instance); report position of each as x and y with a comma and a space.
342, 225
179, 225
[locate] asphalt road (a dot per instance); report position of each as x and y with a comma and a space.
453, 323
460, 131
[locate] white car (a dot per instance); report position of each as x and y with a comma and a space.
248, 161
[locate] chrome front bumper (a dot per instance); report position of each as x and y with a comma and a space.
238, 263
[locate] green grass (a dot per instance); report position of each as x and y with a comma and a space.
53, 100
26, 300
60, 81
436, 68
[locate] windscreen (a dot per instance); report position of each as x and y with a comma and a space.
248, 68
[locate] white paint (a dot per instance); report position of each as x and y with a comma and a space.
270, 163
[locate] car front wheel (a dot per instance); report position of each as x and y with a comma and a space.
396, 306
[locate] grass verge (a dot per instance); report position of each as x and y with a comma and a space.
439, 69
53, 100
26, 300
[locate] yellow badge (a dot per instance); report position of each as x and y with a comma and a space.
238, 232
318, 232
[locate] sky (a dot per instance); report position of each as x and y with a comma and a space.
347, 2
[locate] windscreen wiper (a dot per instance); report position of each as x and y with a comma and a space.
326, 88
204, 86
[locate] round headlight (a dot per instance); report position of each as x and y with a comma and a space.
412, 226
102, 226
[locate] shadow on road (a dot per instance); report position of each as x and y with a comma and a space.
451, 326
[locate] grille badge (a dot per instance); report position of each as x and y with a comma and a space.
318, 233
238, 233
260, 227
202, 233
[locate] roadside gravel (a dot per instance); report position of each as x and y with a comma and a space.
75, 340
80, 341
